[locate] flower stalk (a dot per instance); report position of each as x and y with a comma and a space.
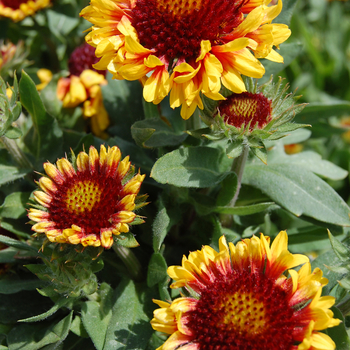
16, 153
238, 167
130, 261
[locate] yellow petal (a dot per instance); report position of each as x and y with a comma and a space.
83, 161
89, 78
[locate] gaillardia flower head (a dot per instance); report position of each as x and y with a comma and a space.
242, 299
88, 202
186, 47
263, 113
17, 10
84, 86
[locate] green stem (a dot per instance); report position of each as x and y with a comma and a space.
130, 261
194, 122
238, 167
17, 154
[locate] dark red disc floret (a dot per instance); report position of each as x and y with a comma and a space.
176, 29
82, 58
89, 221
279, 321
240, 109
13, 4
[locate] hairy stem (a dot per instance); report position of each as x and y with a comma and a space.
130, 261
238, 167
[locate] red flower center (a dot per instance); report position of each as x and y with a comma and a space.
245, 311
86, 200
13, 4
240, 109
82, 58
175, 28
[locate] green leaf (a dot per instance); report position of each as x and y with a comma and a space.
16, 243
11, 173
156, 132
160, 227
157, 270
7, 255
287, 11
260, 152
123, 102
45, 138
96, 316
203, 204
342, 252
189, 167
77, 327
345, 283
308, 239
289, 52
155, 342
18, 227
97, 265
299, 191
129, 327
246, 210
60, 24
10, 286
296, 136
322, 261
13, 132
308, 160
339, 333
141, 158
315, 111
60, 303
126, 240
231, 236
234, 149
15, 205
36, 336
228, 190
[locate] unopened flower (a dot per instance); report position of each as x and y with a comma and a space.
12, 57
187, 48
88, 202
250, 118
84, 86
242, 299
17, 10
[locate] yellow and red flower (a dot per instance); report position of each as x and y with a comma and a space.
86, 89
243, 299
45, 76
87, 203
187, 48
84, 86
17, 10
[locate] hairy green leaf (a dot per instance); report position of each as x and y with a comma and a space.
299, 191
189, 167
